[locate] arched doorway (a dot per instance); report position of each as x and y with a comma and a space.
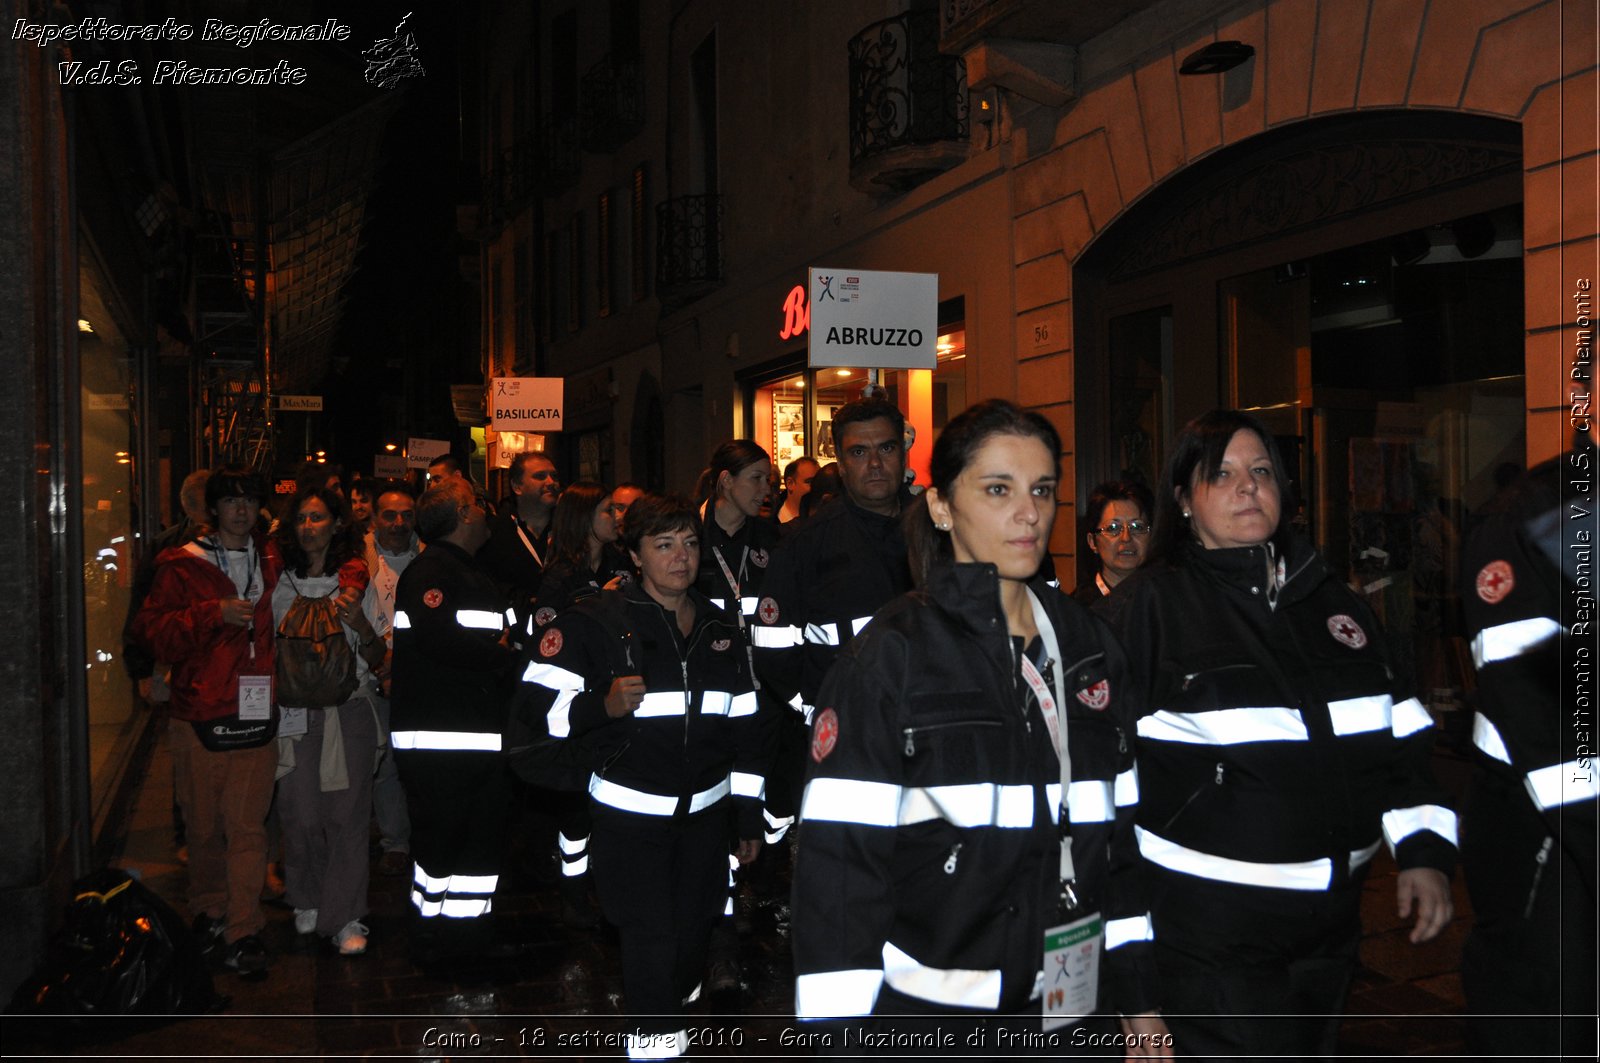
1356, 282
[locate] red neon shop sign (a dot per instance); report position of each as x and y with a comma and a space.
796, 313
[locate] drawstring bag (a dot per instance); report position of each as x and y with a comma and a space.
316, 667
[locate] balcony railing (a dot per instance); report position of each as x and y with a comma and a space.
559, 161
908, 104
688, 247
613, 104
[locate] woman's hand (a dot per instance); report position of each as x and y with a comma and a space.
1427, 890
748, 850
348, 603
627, 691
1147, 1036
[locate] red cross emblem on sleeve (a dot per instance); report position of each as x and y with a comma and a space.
768, 611
1347, 631
1495, 581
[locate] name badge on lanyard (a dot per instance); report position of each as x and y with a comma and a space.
255, 697
1071, 970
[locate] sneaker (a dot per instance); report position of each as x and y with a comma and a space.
208, 932
394, 863
305, 920
247, 955
352, 940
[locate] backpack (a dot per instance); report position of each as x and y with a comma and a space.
316, 668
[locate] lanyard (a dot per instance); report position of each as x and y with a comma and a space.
738, 606
528, 542
1055, 718
250, 592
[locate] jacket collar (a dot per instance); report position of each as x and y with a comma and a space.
970, 592
1244, 569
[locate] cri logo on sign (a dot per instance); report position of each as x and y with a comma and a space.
796, 313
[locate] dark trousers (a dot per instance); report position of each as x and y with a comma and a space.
1528, 968
662, 881
1252, 971
458, 803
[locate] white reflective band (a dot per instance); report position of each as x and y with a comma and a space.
1486, 736
858, 623
402, 622
471, 740
574, 868
1400, 823
1090, 801
478, 619
1359, 715
426, 908
1052, 797
715, 703
727, 907
657, 1045
457, 908
1135, 928
558, 721
1504, 641
630, 800
871, 804
660, 703
954, 987
1307, 875
1126, 789
747, 606
774, 638
1359, 857
552, 676
747, 785
511, 618
834, 994
1225, 727
429, 883
743, 704
1562, 784
822, 634
720, 603
777, 826
1409, 718
473, 883
570, 846
978, 804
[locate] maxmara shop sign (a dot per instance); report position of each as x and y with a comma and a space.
526, 403
873, 318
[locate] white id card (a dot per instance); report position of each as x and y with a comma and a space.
1072, 970
255, 697
292, 722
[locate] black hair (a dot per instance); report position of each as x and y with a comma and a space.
653, 514
379, 488
346, 542
233, 481
825, 486
865, 410
573, 521
438, 511
1197, 455
791, 470
732, 456
954, 450
519, 463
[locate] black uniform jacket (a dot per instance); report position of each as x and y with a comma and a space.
929, 857
1277, 743
451, 671
825, 582
1521, 579
691, 743
748, 554
507, 559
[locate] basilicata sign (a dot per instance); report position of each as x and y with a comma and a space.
873, 318
526, 403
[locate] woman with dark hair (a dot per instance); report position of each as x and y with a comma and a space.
738, 541
649, 686
972, 788
581, 528
1117, 532
1278, 751
326, 752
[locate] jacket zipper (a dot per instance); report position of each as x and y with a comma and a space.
950, 861
1540, 858
1192, 676
911, 732
1216, 780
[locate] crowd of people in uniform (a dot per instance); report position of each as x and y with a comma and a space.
1143, 810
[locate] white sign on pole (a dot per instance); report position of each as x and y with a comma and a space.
389, 466
312, 403
526, 403
873, 319
420, 453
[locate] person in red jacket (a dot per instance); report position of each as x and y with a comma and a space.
209, 613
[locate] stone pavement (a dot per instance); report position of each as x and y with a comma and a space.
564, 1000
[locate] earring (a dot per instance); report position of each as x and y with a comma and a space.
942, 527
1186, 514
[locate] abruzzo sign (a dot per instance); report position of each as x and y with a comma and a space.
526, 403
873, 318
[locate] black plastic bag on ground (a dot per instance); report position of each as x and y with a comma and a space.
121, 951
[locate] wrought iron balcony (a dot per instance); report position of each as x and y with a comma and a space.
688, 247
559, 161
613, 104
908, 104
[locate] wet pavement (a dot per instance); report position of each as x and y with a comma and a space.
563, 1000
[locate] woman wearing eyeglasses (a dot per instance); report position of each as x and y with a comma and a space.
1119, 535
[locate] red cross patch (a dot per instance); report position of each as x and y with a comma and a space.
720, 644
1495, 581
824, 734
758, 558
433, 598
1098, 696
768, 611
544, 616
550, 645
1347, 631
